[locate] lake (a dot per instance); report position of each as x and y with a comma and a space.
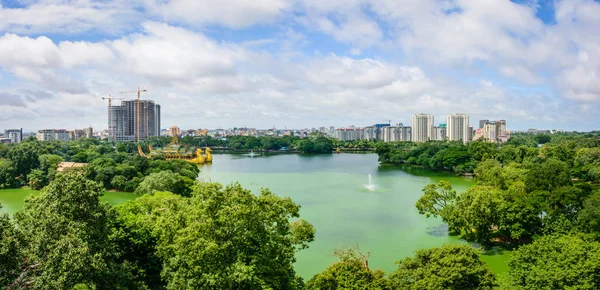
334, 197
331, 190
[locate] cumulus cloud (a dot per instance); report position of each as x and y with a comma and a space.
68, 16
492, 59
230, 13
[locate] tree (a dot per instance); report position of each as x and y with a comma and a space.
350, 272
480, 150
25, 157
439, 200
480, 208
165, 181
119, 182
219, 238
547, 176
556, 262
66, 230
10, 251
436, 198
37, 179
589, 217
542, 138
449, 267
7, 174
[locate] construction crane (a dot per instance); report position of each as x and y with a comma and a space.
139, 91
110, 98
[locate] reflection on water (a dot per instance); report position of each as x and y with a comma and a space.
438, 231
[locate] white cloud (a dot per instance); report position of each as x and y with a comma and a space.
206, 82
69, 16
230, 13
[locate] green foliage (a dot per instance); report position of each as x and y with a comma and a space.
314, 145
35, 163
480, 212
350, 272
7, 174
542, 138
549, 175
25, 157
219, 238
10, 251
165, 181
438, 155
449, 267
436, 199
556, 262
37, 179
589, 217
66, 231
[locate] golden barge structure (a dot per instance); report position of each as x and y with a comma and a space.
177, 151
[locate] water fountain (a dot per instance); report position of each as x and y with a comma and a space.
252, 154
370, 186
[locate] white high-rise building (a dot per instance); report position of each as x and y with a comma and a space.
439, 132
395, 133
457, 127
422, 128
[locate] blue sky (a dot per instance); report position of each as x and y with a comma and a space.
302, 63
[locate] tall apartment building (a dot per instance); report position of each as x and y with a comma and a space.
458, 127
471, 133
123, 120
348, 134
89, 132
370, 133
422, 128
489, 131
374, 132
53, 135
482, 123
15, 135
396, 133
440, 132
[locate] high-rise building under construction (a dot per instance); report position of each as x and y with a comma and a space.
123, 120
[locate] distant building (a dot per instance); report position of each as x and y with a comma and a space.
76, 134
482, 123
471, 133
14, 135
422, 128
493, 131
348, 134
89, 132
174, 131
440, 132
458, 127
396, 133
370, 133
53, 135
123, 120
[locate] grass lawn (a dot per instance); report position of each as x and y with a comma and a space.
13, 200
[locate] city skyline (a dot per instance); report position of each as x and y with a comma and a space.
301, 63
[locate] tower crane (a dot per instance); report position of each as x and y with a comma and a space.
139, 91
110, 98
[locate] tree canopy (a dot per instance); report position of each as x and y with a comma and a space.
556, 262
449, 267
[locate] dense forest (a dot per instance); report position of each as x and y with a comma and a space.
315, 143
542, 202
464, 158
33, 163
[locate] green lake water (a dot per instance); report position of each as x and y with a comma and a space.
331, 190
